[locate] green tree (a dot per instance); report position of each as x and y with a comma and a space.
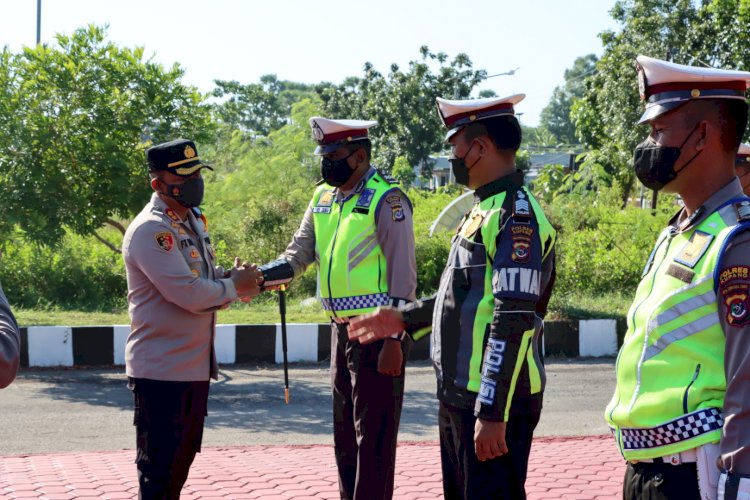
258, 108
403, 103
555, 117
710, 32
403, 172
74, 121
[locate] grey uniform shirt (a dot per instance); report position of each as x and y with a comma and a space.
174, 291
735, 441
10, 343
395, 237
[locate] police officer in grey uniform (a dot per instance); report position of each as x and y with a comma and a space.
367, 381
174, 291
10, 343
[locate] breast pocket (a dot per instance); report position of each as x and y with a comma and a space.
469, 263
192, 256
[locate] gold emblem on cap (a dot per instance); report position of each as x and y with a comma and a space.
189, 152
695, 93
317, 132
349, 139
472, 118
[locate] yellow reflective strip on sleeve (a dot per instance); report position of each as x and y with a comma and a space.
520, 360
535, 379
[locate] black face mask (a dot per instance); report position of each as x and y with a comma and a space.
188, 194
460, 170
336, 172
654, 164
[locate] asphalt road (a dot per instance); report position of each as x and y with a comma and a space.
91, 410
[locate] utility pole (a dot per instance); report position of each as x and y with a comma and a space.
38, 21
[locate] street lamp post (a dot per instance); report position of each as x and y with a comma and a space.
38, 21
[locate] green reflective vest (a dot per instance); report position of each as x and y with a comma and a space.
670, 369
353, 270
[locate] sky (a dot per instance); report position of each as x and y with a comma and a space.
314, 41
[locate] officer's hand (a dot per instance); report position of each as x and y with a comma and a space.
489, 439
390, 358
382, 323
247, 279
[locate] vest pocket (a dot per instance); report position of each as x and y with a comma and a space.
687, 389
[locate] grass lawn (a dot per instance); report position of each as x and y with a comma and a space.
310, 311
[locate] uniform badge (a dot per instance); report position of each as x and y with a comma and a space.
694, 249
397, 212
641, 81
743, 211
317, 131
194, 253
473, 226
521, 247
735, 291
180, 230
394, 198
165, 240
326, 199
195, 273
189, 152
172, 215
365, 199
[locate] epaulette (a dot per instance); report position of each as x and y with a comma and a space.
321, 181
387, 177
197, 212
743, 210
521, 205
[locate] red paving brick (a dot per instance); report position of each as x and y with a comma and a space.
562, 467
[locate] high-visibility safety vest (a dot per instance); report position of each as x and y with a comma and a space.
353, 270
670, 369
529, 281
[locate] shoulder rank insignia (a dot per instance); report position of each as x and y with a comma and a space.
172, 215
165, 240
521, 205
743, 210
694, 249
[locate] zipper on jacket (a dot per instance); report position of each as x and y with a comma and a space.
668, 239
687, 389
330, 257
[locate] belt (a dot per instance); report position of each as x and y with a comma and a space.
683, 457
342, 320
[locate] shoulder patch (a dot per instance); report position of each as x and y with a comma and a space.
521, 247
694, 249
165, 240
734, 285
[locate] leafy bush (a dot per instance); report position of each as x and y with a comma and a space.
77, 273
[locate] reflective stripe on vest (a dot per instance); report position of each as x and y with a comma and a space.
670, 369
353, 269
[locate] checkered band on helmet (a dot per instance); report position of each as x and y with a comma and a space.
683, 428
356, 302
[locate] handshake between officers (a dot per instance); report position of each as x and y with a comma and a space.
174, 291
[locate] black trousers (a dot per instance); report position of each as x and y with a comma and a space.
169, 420
464, 476
660, 481
366, 415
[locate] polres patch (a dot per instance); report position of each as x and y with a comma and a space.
165, 240
521, 246
735, 292
397, 212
